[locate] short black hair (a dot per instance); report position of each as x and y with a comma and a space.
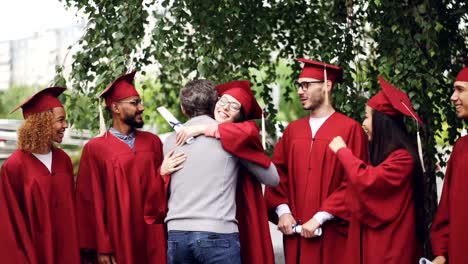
198, 97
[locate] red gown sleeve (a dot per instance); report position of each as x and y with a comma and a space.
90, 207
15, 242
440, 225
279, 194
378, 189
155, 207
243, 140
335, 203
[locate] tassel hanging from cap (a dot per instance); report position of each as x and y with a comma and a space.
420, 151
263, 130
102, 122
325, 85
418, 138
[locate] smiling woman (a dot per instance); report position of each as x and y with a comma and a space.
37, 182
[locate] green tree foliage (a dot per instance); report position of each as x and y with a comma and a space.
415, 44
114, 35
11, 98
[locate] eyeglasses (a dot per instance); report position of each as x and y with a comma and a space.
304, 86
233, 106
135, 102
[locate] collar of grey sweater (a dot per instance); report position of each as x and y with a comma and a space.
203, 119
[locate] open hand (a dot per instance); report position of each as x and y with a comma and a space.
172, 162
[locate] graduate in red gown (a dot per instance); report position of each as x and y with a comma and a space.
113, 178
9, 251
36, 188
449, 232
312, 186
240, 137
385, 197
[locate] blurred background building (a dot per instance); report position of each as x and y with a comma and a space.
32, 60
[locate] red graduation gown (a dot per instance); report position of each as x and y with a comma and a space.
311, 180
10, 253
449, 231
382, 225
111, 187
41, 209
242, 140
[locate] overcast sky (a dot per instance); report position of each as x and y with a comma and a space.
22, 18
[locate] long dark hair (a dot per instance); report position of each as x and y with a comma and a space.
392, 135
241, 117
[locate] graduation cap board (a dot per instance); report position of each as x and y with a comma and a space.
321, 71
242, 91
42, 101
462, 75
394, 102
121, 88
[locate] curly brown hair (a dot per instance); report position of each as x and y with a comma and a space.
36, 133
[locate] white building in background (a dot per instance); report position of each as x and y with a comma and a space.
32, 60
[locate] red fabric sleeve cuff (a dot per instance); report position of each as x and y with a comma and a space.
344, 154
212, 131
439, 252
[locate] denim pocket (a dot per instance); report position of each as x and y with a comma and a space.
221, 243
171, 250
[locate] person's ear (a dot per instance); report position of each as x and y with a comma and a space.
183, 111
329, 85
115, 108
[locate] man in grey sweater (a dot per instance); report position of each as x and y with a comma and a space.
201, 218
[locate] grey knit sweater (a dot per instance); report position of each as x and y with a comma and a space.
202, 193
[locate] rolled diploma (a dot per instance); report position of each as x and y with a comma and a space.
170, 118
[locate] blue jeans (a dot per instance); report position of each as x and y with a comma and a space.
202, 247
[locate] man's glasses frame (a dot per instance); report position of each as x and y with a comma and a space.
304, 86
134, 102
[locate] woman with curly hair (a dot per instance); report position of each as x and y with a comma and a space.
36, 186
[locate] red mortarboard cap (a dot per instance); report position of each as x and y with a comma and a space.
120, 88
462, 75
392, 101
243, 93
314, 69
41, 101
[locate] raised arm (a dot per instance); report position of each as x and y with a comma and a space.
268, 176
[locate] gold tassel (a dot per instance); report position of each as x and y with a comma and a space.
102, 122
420, 150
418, 138
263, 131
325, 85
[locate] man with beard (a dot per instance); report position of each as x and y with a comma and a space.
113, 179
311, 192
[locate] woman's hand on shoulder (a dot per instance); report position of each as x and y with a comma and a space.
172, 162
187, 132
336, 144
